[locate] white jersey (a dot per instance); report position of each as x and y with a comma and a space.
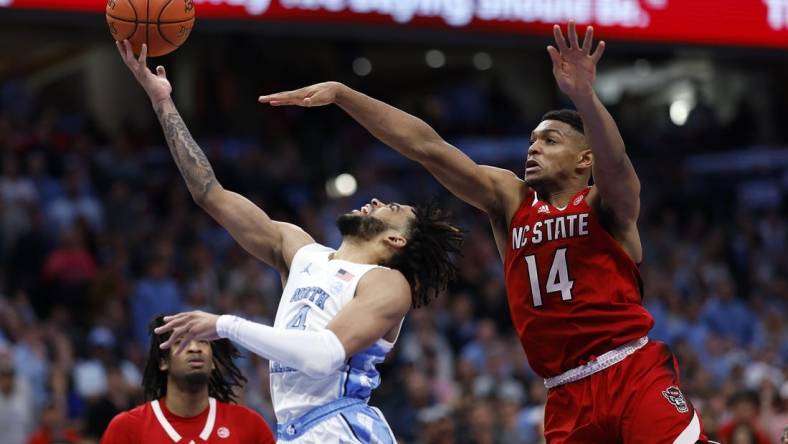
317, 289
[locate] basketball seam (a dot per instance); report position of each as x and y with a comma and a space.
163, 22
136, 23
147, 27
158, 22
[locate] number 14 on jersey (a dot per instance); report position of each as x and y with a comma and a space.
557, 278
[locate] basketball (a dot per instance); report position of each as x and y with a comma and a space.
163, 24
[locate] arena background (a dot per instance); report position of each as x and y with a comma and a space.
98, 232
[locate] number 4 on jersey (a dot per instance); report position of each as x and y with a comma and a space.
299, 320
557, 279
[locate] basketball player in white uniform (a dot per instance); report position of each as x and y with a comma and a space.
341, 310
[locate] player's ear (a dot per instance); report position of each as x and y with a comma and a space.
585, 159
395, 240
164, 364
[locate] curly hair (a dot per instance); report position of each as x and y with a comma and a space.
223, 379
426, 261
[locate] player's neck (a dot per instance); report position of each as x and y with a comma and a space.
558, 196
360, 252
186, 403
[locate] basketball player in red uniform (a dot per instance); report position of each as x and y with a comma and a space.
191, 399
570, 253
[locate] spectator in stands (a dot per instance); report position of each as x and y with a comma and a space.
727, 316
743, 427
156, 293
75, 203
119, 397
54, 428
68, 270
16, 402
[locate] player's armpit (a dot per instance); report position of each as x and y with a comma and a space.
624, 230
383, 298
619, 189
275, 243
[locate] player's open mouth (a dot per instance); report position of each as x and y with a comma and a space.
530, 164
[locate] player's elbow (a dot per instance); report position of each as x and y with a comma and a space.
209, 199
200, 200
429, 150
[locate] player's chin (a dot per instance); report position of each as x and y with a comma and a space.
533, 176
198, 376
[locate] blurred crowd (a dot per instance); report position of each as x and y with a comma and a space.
98, 234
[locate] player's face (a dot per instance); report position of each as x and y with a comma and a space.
554, 152
195, 363
378, 219
394, 215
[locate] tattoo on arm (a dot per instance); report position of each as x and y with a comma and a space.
190, 159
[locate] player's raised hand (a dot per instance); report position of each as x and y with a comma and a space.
574, 65
316, 95
156, 85
187, 327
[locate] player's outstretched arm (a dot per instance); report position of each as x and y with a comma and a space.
383, 298
480, 186
273, 242
574, 67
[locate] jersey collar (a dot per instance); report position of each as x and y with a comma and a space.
170, 430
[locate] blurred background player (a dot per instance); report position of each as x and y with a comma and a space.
570, 251
191, 399
341, 310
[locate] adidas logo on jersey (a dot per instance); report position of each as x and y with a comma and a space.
543, 209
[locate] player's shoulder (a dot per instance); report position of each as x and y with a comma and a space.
511, 190
134, 415
384, 277
125, 424
388, 288
306, 251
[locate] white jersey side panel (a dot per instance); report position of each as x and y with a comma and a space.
317, 289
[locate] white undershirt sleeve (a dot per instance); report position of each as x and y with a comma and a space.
315, 353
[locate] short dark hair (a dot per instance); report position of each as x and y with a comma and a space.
568, 116
223, 379
426, 261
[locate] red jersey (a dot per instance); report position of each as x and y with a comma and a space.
220, 423
573, 292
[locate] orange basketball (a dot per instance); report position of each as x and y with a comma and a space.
163, 24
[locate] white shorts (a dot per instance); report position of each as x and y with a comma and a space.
357, 423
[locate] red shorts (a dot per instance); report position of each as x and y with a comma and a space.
635, 401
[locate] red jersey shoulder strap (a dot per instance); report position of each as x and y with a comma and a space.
170, 430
